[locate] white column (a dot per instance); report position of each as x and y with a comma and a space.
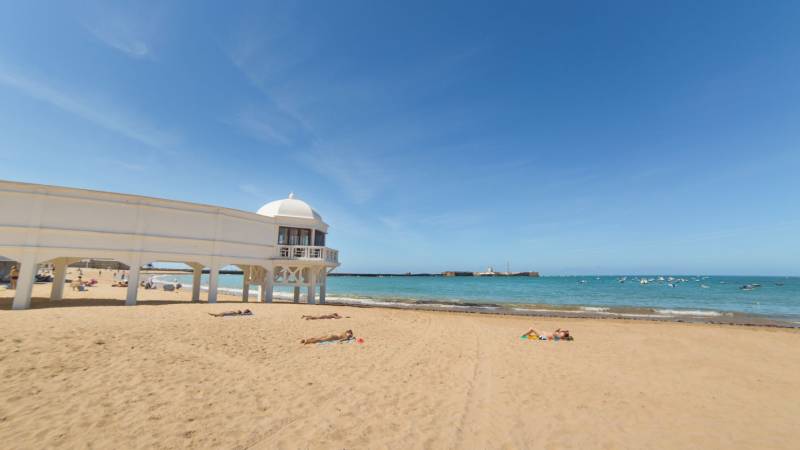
133, 284
266, 288
27, 275
213, 275
246, 284
312, 285
322, 285
197, 272
59, 273
297, 294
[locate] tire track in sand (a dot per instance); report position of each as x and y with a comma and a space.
470, 421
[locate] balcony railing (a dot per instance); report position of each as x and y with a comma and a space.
308, 253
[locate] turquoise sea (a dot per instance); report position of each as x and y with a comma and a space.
662, 296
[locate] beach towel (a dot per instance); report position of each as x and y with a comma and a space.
537, 338
349, 341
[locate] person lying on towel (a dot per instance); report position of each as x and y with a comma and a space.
346, 336
325, 316
239, 312
556, 335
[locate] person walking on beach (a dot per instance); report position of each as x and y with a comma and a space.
14, 277
77, 284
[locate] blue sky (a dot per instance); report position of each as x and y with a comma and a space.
564, 137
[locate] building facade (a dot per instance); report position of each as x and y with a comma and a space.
284, 243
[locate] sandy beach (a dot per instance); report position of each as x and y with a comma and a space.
91, 373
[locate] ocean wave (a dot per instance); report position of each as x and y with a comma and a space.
400, 304
642, 315
689, 312
405, 303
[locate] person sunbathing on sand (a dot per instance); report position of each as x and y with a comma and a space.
346, 336
239, 312
325, 316
557, 335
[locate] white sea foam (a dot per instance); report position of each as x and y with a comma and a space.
652, 316
595, 310
658, 313
689, 312
553, 310
367, 302
537, 310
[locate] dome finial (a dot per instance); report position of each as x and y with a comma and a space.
291, 194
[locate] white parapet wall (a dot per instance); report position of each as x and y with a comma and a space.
50, 224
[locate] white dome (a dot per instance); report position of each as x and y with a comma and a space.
290, 207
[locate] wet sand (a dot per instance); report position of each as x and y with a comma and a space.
165, 374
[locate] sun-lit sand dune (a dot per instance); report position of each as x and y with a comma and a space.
165, 374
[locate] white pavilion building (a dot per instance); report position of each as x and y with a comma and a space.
284, 243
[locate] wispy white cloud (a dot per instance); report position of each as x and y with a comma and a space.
252, 189
261, 129
105, 115
743, 232
360, 177
452, 219
127, 165
260, 58
127, 30
272, 126
334, 120
122, 41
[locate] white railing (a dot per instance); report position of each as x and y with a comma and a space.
308, 252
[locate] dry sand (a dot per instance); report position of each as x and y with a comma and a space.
165, 374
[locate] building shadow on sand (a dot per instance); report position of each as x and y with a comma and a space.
43, 303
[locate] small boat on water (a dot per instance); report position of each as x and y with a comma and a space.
750, 287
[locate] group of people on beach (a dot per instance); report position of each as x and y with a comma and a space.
78, 284
341, 337
347, 335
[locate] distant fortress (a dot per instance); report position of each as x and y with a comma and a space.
451, 273
490, 272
